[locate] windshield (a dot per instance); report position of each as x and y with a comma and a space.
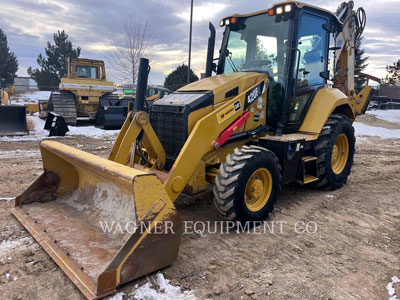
86, 72
258, 43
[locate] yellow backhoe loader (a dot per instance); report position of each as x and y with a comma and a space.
12, 117
85, 93
271, 115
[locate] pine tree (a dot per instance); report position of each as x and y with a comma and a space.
55, 65
393, 76
360, 61
8, 62
178, 78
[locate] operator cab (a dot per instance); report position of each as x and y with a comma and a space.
290, 43
83, 68
86, 72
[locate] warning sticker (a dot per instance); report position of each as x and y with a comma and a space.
229, 111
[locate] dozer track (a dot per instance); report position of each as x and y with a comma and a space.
63, 104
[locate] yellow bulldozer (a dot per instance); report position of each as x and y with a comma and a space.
272, 114
85, 93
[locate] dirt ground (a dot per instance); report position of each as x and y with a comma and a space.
353, 254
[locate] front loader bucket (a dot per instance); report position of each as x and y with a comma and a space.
13, 120
83, 210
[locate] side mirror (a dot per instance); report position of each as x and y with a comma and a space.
328, 27
324, 74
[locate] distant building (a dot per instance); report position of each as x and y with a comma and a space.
25, 84
389, 91
386, 97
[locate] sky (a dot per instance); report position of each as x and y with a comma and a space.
94, 24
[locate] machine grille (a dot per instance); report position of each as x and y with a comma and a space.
170, 125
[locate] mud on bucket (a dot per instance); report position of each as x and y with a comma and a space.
83, 210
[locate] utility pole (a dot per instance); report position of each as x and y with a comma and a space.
190, 41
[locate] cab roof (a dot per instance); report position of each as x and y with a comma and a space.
296, 3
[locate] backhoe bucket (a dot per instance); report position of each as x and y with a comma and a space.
13, 120
84, 209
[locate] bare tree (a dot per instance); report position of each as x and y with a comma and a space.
130, 46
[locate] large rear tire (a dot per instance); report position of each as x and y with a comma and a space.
248, 184
335, 152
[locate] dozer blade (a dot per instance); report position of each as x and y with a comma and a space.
66, 209
13, 120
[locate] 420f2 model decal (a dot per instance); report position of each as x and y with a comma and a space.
253, 94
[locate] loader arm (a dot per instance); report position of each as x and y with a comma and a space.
200, 141
130, 131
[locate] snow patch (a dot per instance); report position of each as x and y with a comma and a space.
390, 288
164, 291
30, 97
362, 129
6, 199
19, 154
391, 115
22, 244
116, 296
38, 133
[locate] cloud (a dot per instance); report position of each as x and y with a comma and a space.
92, 24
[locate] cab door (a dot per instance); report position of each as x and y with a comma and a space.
310, 65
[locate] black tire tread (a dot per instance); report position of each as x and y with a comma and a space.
322, 147
226, 182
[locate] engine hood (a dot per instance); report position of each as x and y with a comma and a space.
225, 86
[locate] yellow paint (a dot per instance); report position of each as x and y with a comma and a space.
4, 97
220, 84
200, 141
361, 100
130, 131
323, 104
89, 87
340, 154
32, 108
147, 190
258, 189
197, 115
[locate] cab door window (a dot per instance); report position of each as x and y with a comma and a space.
311, 59
312, 46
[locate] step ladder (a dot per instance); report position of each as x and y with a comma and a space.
309, 168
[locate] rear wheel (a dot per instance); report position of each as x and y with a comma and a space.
248, 184
335, 152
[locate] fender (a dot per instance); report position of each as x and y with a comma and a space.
326, 101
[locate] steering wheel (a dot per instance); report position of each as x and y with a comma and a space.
257, 63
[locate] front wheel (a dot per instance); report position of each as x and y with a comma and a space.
335, 152
247, 186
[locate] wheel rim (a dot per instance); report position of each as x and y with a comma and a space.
258, 189
340, 153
